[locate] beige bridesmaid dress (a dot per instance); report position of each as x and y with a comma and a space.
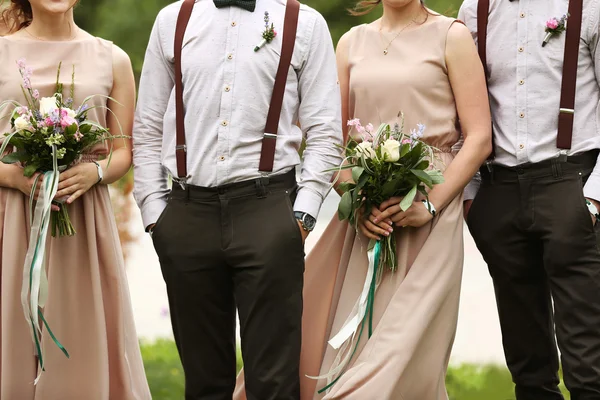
416, 308
88, 306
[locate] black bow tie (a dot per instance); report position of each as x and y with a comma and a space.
249, 5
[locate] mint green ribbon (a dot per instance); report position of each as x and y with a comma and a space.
34, 291
368, 315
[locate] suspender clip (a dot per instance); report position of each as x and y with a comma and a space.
182, 182
567, 111
181, 147
270, 136
562, 156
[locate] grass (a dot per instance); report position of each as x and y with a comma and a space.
465, 382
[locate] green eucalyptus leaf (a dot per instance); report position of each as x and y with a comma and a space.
345, 207
436, 176
29, 170
356, 173
423, 176
14, 157
408, 199
404, 150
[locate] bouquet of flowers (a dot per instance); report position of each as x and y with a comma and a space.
385, 163
48, 136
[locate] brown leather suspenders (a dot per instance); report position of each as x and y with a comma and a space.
569, 81
270, 136
181, 149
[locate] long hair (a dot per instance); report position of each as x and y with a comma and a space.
15, 14
364, 7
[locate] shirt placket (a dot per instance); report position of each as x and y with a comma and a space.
522, 114
224, 129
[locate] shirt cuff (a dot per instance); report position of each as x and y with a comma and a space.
152, 210
309, 202
591, 190
472, 188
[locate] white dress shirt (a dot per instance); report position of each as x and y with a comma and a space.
525, 82
227, 92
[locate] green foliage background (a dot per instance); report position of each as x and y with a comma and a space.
128, 22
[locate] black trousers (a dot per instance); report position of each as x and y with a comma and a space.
535, 232
237, 246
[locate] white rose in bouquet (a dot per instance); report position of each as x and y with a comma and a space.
391, 150
47, 105
22, 124
366, 149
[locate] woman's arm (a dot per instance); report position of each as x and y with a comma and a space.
469, 87
79, 179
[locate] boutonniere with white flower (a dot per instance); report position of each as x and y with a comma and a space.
268, 35
555, 26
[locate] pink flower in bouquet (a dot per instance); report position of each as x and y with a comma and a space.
67, 121
36, 94
552, 23
406, 141
78, 136
22, 110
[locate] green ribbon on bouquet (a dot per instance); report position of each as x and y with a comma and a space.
360, 315
34, 291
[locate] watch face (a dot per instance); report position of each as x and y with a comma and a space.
309, 222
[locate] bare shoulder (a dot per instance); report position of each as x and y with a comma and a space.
459, 35
121, 60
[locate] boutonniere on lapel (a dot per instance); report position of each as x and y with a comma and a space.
555, 26
268, 35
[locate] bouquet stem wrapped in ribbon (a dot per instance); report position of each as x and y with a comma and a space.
385, 163
48, 136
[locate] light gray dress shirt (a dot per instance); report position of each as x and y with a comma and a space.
227, 92
525, 81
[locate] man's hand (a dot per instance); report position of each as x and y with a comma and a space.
303, 233
597, 204
467, 207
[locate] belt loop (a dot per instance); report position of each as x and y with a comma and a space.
490, 168
186, 189
261, 186
557, 168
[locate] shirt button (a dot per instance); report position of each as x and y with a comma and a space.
521, 49
522, 15
522, 115
230, 56
521, 146
224, 123
521, 82
227, 88
222, 158
233, 23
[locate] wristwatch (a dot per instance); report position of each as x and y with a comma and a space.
307, 221
100, 172
593, 210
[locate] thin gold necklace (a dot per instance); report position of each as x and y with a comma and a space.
385, 48
76, 31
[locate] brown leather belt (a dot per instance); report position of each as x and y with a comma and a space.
569, 80
269, 140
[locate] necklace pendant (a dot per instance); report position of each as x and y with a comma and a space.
385, 52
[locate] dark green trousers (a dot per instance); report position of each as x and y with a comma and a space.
535, 232
235, 247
